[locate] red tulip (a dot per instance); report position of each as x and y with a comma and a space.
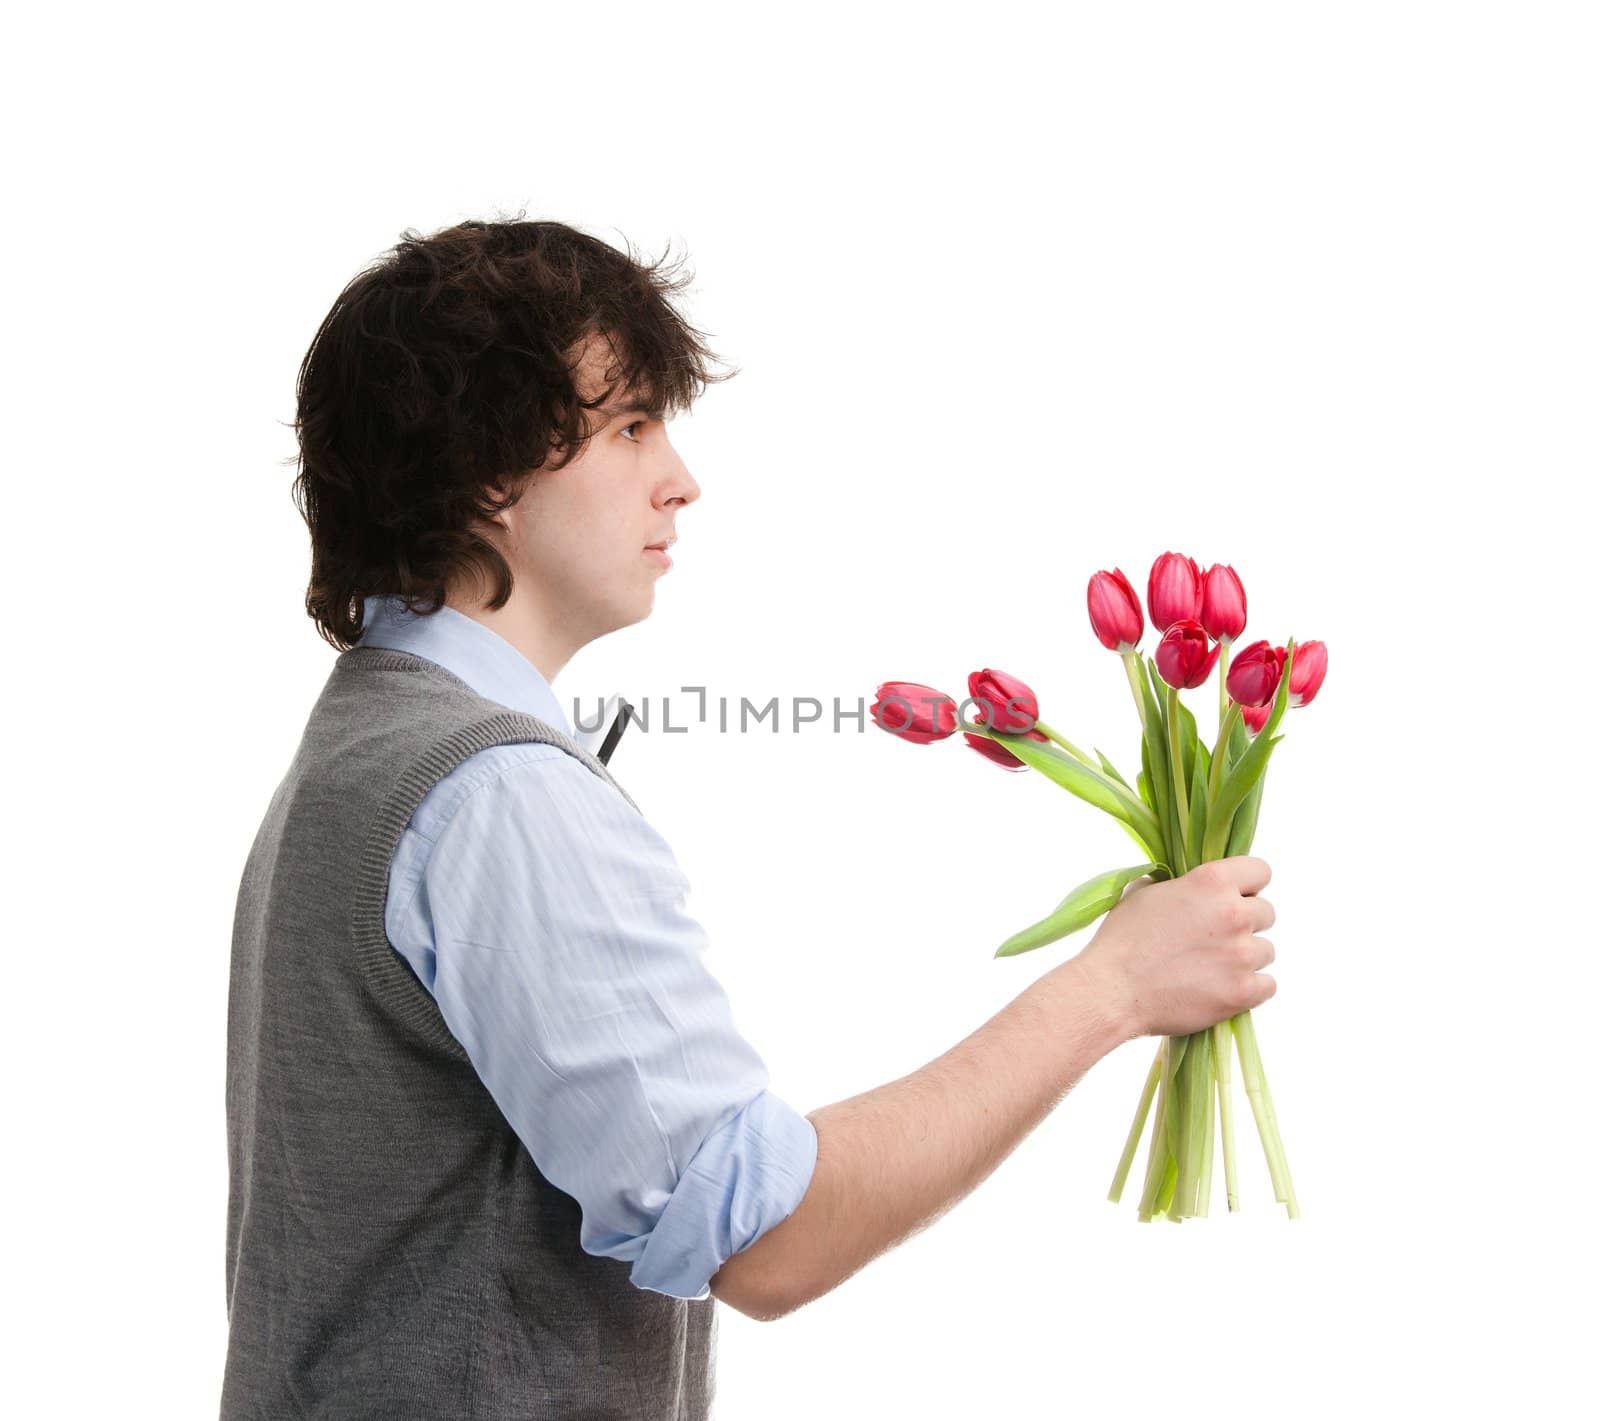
1310, 666
1222, 602
1114, 611
914, 712
1185, 656
993, 750
1015, 706
1257, 716
1254, 675
1174, 593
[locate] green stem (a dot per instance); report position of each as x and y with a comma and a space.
1066, 745
1084, 781
1194, 1094
1203, 1208
1118, 791
1255, 1084
1133, 685
1277, 1160
1132, 1147
1220, 754
1180, 792
1224, 1056
1169, 1187
1156, 1168
1160, 778
1222, 688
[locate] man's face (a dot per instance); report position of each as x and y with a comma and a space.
579, 533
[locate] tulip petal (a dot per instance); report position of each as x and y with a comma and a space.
1078, 909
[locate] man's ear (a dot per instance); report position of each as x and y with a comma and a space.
500, 519
500, 493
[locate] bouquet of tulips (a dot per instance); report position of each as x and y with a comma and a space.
1189, 804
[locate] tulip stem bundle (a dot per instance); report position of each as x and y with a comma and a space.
1189, 804
1194, 1074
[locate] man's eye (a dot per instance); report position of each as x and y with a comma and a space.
635, 425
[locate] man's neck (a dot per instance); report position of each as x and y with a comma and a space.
522, 624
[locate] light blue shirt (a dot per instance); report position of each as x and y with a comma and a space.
548, 920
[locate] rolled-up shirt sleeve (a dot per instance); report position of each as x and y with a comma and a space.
550, 922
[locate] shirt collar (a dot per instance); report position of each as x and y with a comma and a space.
464, 646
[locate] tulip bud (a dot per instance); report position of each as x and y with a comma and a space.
1257, 716
1185, 656
1254, 675
1114, 611
1310, 666
1015, 707
914, 712
993, 750
1174, 593
1222, 603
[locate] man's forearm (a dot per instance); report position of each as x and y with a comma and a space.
894, 1159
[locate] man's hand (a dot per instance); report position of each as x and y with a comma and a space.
1178, 956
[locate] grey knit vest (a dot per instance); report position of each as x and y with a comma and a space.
393, 1249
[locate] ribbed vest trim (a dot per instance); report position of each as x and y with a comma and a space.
389, 975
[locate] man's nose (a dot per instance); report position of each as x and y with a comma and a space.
680, 485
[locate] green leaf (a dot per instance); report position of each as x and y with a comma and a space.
1238, 743
1251, 766
1078, 909
1111, 770
1077, 778
1190, 737
1138, 840
1198, 801
1154, 689
1243, 832
1156, 850
1239, 783
1157, 759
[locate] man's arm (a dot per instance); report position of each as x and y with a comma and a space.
1171, 958
548, 918
893, 1160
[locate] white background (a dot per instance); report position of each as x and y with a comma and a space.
1016, 293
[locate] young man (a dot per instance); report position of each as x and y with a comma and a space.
495, 1147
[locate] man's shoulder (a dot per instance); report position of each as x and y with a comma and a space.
499, 771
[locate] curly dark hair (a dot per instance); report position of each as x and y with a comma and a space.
447, 370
